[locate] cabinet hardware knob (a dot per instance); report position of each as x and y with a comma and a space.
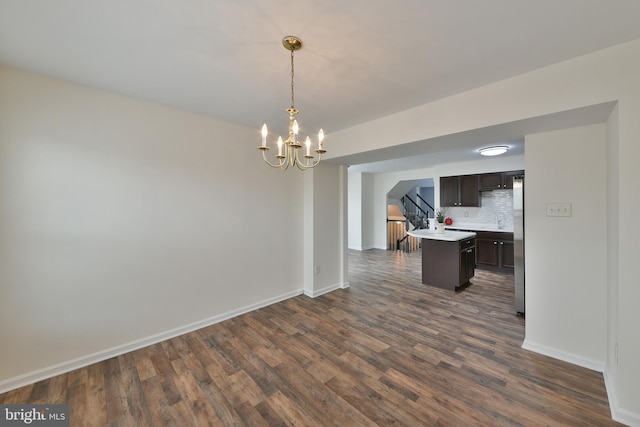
495, 243
502, 243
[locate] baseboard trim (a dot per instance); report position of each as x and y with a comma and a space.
314, 294
362, 248
617, 414
561, 355
80, 362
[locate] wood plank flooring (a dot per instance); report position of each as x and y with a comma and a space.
387, 351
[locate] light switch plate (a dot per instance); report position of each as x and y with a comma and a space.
559, 209
551, 209
564, 209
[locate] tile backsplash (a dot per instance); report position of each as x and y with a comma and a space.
492, 204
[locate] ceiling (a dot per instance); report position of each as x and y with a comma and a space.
362, 59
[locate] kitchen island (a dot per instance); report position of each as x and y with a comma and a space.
448, 259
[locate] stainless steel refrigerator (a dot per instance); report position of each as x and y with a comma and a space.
518, 241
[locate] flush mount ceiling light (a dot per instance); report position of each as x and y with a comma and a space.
289, 150
496, 150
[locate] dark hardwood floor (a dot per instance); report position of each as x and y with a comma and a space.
386, 351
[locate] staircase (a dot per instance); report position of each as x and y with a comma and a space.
403, 217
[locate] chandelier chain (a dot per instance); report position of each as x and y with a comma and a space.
292, 103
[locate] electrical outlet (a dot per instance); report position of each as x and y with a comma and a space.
317, 270
466, 213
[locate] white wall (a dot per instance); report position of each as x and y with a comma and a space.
360, 206
613, 243
355, 209
367, 208
544, 98
122, 222
566, 278
325, 222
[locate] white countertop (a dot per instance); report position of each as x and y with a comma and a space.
448, 235
479, 227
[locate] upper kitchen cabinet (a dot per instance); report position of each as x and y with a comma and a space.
497, 180
508, 177
491, 181
459, 191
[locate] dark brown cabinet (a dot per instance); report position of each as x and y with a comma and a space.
497, 180
506, 254
467, 261
448, 264
508, 178
494, 250
491, 181
459, 191
486, 251
464, 190
449, 190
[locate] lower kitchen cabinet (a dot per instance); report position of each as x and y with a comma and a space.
494, 250
506, 253
487, 251
467, 262
448, 264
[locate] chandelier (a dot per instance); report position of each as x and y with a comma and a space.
289, 150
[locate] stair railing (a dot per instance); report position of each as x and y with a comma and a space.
415, 216
431, 208
412, 209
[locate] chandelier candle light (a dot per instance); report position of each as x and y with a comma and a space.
288, 150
